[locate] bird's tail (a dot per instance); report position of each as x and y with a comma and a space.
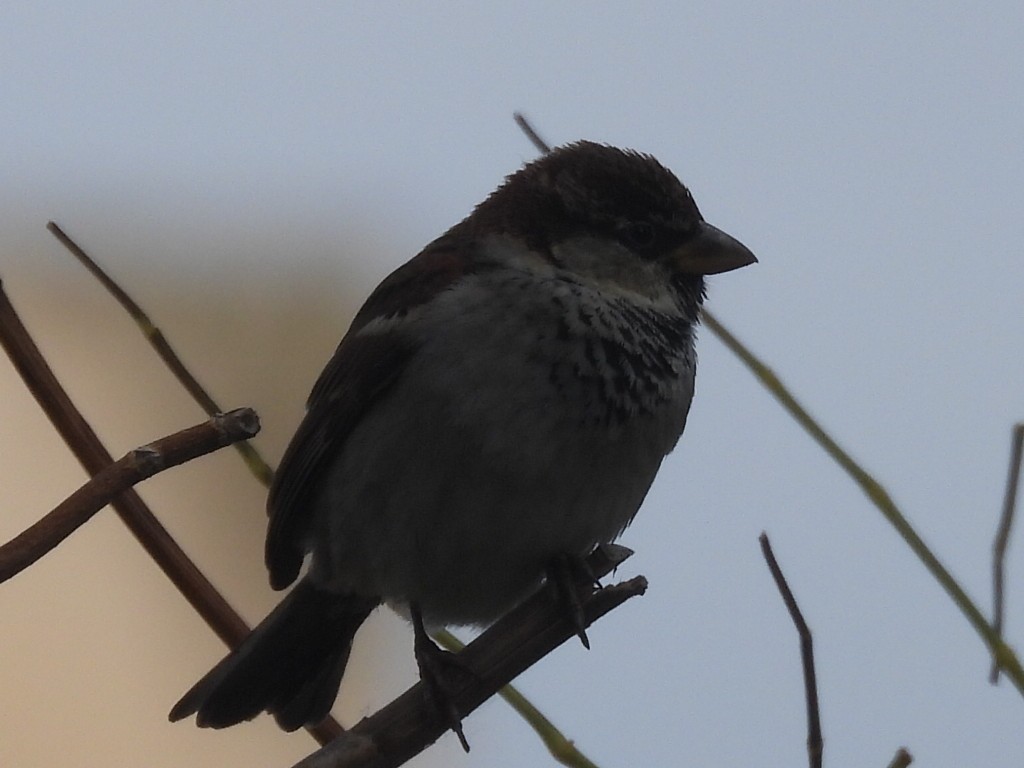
290, 665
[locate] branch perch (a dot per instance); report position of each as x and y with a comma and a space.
522, 637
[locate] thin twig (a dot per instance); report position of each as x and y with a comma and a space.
156, 338
901, 759
137, 465
815, 746
1003, 537
1004, 655
526, 634
542, 146
129, 506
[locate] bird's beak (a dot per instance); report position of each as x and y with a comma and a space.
709, 252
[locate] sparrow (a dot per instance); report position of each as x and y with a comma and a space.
499, 407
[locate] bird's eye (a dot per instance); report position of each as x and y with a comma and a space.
640, 234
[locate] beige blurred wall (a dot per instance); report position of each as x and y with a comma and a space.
95, 643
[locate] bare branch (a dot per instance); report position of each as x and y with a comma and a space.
542, 146
901, 759
561, 747
136, 466
526, 634
88, 449
129, 506
1003, 537
815, 746
156, 338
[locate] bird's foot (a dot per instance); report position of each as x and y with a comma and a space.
436, 667
569, 576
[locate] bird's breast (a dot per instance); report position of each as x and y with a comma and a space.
560, 347
526, 425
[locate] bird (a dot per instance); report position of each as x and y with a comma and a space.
499, 407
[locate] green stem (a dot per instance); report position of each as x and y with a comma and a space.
1002, 653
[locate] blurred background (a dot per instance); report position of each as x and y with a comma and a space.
249, 171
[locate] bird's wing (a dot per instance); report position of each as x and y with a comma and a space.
367, 363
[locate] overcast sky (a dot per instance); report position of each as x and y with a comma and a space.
869, 153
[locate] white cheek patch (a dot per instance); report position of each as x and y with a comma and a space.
615, 271
511, 253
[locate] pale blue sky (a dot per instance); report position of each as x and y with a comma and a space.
869, 153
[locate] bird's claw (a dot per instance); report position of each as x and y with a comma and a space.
569, 575
435, 666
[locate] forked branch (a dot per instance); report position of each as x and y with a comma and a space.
129, 506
